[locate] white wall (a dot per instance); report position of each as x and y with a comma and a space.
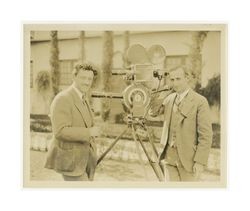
175, 43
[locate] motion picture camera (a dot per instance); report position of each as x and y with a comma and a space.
144, 77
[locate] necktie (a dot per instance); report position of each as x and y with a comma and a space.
176, 103
177, 100
88, 117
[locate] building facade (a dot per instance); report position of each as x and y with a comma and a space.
176, 44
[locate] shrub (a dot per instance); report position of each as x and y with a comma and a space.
211, 91
40, 123
119, 118
43, 81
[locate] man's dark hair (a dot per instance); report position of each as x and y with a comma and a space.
85, 67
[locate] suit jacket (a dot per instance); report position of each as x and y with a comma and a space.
71, 150
194, 129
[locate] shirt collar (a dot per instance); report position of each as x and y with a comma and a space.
183, 94
80, 94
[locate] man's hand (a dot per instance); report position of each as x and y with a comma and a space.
198, 169
95, 131
155, 106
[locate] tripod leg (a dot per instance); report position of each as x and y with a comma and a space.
111, 146
152, 144
138, 152
156, 155
155, 165
163, 164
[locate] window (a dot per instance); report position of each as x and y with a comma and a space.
66, 68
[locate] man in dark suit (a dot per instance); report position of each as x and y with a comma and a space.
73, 151
187, 131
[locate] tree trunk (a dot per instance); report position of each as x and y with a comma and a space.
82, 56
54, 63
195, 57
126, 38
107, 70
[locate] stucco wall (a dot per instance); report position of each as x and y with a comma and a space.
175, 43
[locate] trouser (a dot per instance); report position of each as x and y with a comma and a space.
174, 167
83, 177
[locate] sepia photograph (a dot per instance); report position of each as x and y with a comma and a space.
125, 105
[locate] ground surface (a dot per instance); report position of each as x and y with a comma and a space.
107, 170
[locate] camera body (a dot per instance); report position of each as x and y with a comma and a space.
137, 95
136, 98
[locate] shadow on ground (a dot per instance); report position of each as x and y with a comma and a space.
107, 170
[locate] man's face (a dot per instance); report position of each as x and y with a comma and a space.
178, 80
83, 80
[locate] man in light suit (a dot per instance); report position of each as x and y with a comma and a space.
73, 151
187, 130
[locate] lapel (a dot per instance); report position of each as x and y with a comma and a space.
185, 108
169, 108
90, 110
186, 105
79, 105
167, 116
